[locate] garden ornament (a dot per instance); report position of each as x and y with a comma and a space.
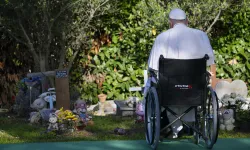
39, 104
53, 125
131, 102
80, 105
45, 113
81, 111
35, 117
49, 97
30, 82
227, 120
139, 112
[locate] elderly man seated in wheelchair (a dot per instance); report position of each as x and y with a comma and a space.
179, 84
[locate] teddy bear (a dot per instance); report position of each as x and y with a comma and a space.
39, 105
227, 120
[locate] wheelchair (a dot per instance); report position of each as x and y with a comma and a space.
182, 83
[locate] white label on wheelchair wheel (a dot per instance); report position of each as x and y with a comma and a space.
135, 89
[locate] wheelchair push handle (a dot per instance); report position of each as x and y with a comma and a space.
206, 57
152, 73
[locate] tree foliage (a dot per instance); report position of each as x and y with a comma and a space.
233, 49
120, 62
108, 41
12, 67
50, 27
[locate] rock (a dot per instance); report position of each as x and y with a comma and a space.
119, 131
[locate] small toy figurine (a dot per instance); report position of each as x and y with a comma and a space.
139, 112
81, 111
53, 126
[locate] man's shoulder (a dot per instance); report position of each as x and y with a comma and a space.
163, 34
198, 31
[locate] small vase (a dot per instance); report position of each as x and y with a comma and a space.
102, 98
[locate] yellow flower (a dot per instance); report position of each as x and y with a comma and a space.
154, 31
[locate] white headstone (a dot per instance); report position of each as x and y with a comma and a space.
222, 88
239, 87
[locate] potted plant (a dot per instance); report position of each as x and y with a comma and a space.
102, 97
100, 78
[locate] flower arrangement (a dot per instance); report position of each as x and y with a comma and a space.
67, 118
240, 105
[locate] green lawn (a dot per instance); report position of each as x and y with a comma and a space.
17, 130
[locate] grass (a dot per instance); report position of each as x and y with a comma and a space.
18, 130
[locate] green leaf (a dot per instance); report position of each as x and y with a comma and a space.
126, 79
133, 77
115, 39
91, 65
101, 55
110, 95
107, 54
248, 65
96, 59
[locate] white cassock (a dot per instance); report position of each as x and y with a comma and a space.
180, 42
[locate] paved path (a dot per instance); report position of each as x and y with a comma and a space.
227, 144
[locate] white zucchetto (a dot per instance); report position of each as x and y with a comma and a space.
177, 14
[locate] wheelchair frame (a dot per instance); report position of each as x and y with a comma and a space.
202, 117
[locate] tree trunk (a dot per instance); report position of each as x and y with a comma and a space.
42, 63
36, 67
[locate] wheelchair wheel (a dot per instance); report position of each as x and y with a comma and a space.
152, 118
211, 120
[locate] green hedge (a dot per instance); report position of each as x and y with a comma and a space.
122, 62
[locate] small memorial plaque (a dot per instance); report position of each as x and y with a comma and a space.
61, 73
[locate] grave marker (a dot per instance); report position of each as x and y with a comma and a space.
62, 89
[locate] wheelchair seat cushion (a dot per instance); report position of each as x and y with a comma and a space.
182, 82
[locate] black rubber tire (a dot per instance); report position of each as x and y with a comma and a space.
211, 119
152, 118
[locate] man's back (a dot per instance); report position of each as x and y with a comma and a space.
180, 42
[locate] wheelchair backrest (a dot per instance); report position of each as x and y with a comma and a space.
182, 82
